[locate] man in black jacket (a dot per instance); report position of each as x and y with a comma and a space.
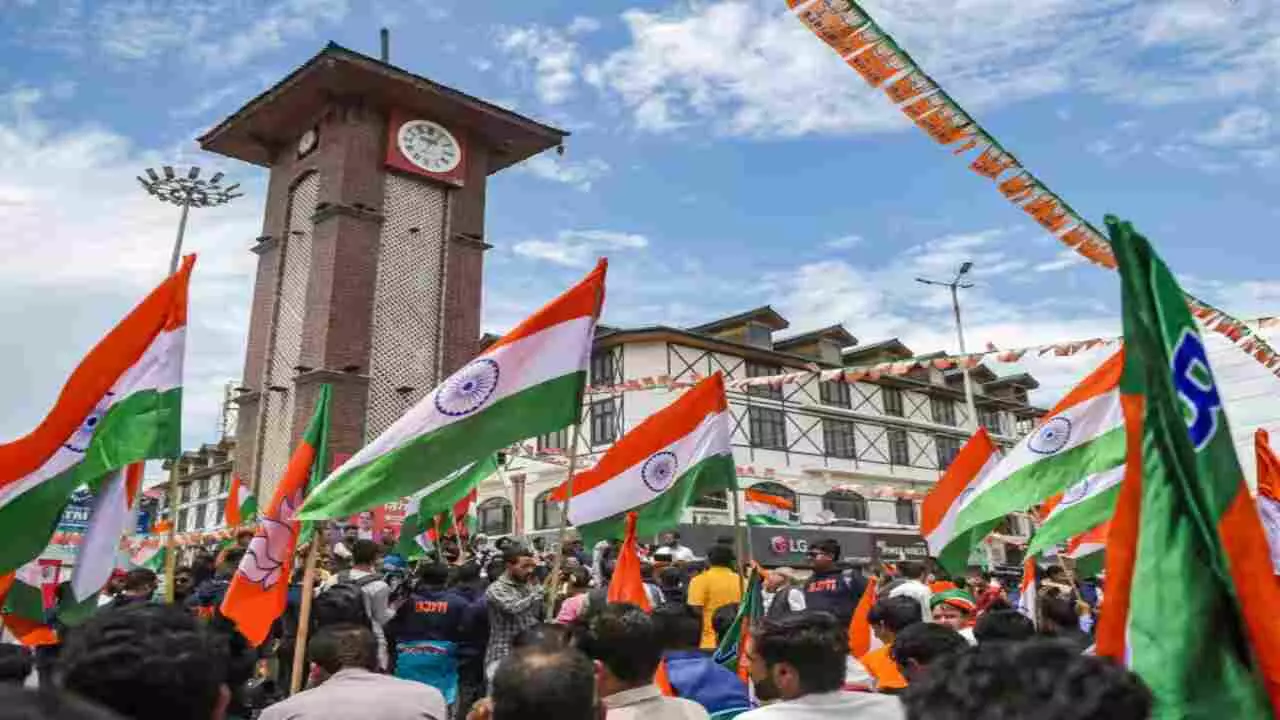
831, 589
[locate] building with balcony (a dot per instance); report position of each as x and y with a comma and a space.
204, 479
856, 458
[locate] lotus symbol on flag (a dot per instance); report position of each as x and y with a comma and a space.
659, 470
468, 389
79, 440
264, 559
1051, 437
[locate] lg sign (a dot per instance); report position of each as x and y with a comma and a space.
783, 545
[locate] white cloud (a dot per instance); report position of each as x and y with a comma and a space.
579, 248
270, 30
580, 175
551, 58
582, 25
1246, 126
1064, 260
83, 243
844, 242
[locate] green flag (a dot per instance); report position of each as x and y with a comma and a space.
443, 502
1178, 603
733, 646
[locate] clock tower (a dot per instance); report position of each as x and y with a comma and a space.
369, 265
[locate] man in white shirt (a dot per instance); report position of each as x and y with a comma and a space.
779, 595
679, 553
910, 583
799, 661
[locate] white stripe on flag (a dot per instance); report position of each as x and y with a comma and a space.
97, 557
1086, 489
944, 533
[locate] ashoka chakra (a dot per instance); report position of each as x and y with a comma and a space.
1052, 437
659, 470
467, 390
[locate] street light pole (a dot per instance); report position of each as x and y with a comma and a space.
186, 191
955, 286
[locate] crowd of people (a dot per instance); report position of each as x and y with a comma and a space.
506, 632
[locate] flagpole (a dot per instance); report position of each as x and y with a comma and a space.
553, 580
304, 615
171, 537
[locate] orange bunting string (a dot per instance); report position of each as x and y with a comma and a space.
1017, 187
908, 86
925, 105
876, 64
992, 162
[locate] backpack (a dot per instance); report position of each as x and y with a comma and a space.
344, 602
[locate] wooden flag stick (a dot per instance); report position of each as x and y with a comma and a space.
553, 580
304, 614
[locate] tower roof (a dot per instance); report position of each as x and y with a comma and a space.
284, 111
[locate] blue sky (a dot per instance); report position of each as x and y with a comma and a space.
721, 156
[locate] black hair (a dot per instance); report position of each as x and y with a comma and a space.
895, 613
433, 574
1003, 626
829, 546
147, 662
244, 533
15, 663
724, 540
814, 643
1059, 611
679, 627
924, 643
513, 554
911, 569
580, 577
720, 555
722, 619
1038, 679
466, 573
494, 568
47, 704
540, 683
548, 636
344, 645
623, 638
364, 552
646, 571
139, 579
1054, 572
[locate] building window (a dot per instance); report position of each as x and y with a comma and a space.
990, 420
944, 411
906, 511
838, 439
603, 427
835, 394
201, 515
892, 401
899, 450
184, 515
758, 335
226, 482
948, 448
765, 391
768, 428
602, 368
1024, 425
493, 516
546, 512
557, 441
845, 505
718, 500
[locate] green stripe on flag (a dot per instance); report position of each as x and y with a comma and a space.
762, 520
541, 409
1085, 516
713, 474
750, 609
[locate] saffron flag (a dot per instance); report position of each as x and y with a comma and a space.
675, 456
122, 404
733, 646
260, 586
1268, 493
1028, 590
113, 512
1080, 444
627, 586
941, 506
242, 506
861, 639
762, 508
528, 383
1184, 519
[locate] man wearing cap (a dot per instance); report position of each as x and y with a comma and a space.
956, 610
780, 596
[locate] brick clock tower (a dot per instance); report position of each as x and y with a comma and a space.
369, 266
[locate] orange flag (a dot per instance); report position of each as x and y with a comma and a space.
861, 639
1268, 493
627, 586
261, 584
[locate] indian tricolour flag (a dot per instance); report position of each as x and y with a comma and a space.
440, 506
242, 506
1089, 550
1079, 446
113, 513
1268, 492
122, 404
528, 383
674, 457
938, 512
762, 508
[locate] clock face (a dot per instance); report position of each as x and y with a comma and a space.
429, 146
